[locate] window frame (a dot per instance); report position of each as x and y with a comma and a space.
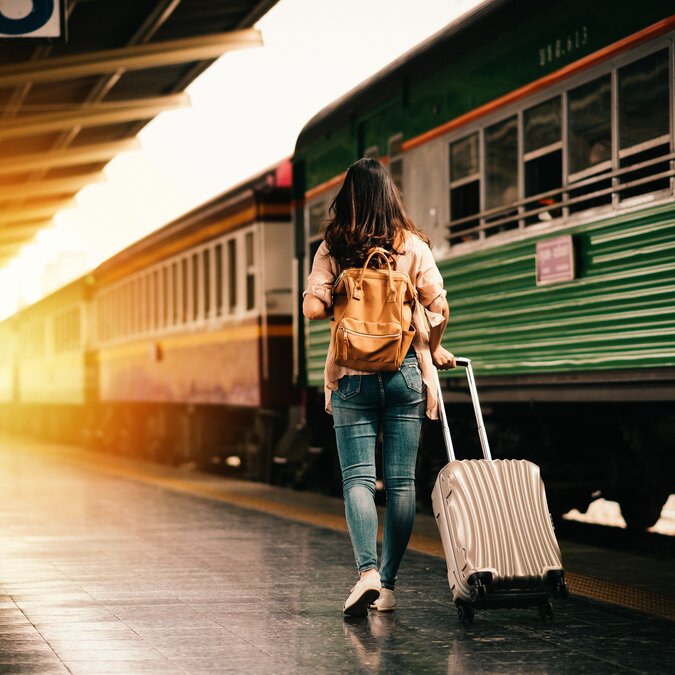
156, 291
561, 89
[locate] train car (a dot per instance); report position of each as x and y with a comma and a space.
47, 366
8, 346
533, 142
193, 333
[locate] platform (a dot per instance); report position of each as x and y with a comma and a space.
110, 565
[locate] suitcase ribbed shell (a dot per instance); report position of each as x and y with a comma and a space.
493, 517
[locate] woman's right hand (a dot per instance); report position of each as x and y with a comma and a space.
443, 359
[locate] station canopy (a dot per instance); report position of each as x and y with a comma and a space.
67, 108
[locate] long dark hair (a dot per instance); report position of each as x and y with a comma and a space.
366, 212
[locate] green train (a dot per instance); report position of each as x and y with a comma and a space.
534, 143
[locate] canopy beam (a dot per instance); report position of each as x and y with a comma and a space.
85, 154
135, 57
99, 114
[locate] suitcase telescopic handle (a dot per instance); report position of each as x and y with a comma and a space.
465, 363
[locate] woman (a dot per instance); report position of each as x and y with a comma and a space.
368, 212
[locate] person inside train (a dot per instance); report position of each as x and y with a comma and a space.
367, 212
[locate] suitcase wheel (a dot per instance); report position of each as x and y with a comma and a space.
562, 590
478, 591
465, 613
546, 611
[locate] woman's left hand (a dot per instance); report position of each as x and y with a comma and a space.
443, 359
313, 308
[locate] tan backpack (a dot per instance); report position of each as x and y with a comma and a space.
372, 316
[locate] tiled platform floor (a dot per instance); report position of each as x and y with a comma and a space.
103, 574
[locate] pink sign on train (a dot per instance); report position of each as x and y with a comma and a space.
555, 260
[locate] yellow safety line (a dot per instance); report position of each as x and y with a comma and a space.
234, 493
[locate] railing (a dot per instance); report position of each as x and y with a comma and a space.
563, 199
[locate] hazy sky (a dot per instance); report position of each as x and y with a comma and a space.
246, 113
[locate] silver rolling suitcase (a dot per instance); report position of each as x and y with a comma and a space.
497, 533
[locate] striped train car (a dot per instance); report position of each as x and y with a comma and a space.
176, 349
534, 143
48, 373
194, 332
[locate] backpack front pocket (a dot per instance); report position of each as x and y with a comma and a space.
368, 346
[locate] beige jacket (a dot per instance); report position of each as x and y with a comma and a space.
417, 261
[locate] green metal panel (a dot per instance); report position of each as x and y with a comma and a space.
618, 313
479, 65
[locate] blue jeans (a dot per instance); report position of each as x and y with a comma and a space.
361, 403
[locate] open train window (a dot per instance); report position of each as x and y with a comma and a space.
157, 297
542, 160
644, 123
206, 266
464, 189
195, 286
250, 271
166, 291
590, 144
232, 275
175, 286
185, 289
219, 279
501, 175
151, 301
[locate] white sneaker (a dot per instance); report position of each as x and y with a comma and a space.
386, 602
365, 592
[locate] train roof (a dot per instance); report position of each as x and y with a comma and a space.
410, 61
278, 175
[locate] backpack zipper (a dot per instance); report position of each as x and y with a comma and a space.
356, 332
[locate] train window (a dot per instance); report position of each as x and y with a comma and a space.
206, 266
115, 314
464, 188
501, 174
185, 289
590, 143
395, 152
128, 309
644, 124
542, 161
138, 305
166, 290
132, 306
175, 273
77, 328
317, 214
590, 125
195, 286
150, 309
157, 302
250, 271
67, 333
372, 151
35, 340
232, 274
219, 279
144, 304
120, 311
112, 314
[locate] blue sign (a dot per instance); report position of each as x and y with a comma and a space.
32, 19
